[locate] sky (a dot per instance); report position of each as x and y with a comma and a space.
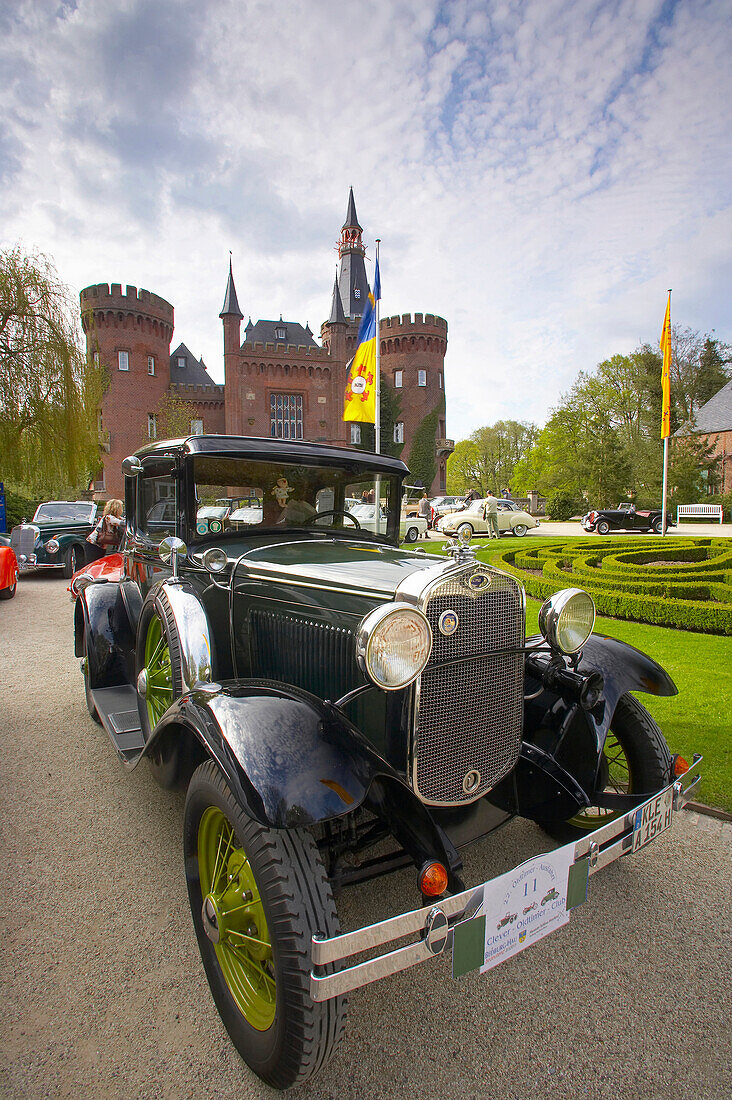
539, 172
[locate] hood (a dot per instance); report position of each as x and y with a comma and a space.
341, 564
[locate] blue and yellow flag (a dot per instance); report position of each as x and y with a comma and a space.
665, 346
360, 397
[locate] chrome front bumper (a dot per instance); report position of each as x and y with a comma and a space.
434, 924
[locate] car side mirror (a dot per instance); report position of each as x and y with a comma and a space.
170, 550
131, 466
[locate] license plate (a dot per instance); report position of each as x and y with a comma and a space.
652, 818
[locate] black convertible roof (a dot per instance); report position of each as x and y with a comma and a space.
274, 450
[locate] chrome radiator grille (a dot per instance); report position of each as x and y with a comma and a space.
23, 539
469, 716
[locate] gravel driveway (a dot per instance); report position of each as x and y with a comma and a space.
104, 995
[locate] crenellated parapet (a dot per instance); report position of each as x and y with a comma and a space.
105, 306
424, 333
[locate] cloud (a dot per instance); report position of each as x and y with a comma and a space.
539, 172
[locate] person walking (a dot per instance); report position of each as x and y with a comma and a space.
491, 514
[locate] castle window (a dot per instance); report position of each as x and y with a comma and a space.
181, 362
280, 333
96, 358
355, 433
100, 421
152, 426
399, 431
196, 427
397, 379
285, 415
439, 379
151, 364
123, 360
421, 377
356, 292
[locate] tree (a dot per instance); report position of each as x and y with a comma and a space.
174, 417
492, 457
49, 392
422, 463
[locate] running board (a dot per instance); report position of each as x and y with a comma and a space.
117, 708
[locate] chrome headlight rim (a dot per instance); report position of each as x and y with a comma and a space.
215, 560
52, 546
550, 618
368, 632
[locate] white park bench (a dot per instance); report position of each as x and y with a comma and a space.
699, 511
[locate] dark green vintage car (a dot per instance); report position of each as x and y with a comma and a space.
339, 708
56, 536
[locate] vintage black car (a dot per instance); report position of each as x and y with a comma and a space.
626, 517
339, 708
56, 536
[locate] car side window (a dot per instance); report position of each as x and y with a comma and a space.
157, 502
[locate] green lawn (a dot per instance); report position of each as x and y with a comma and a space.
699, 718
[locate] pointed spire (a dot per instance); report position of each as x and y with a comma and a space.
351, 221
230, 307
337, 316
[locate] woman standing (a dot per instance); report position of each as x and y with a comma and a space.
106, 537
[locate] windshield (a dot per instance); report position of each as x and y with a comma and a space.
278, 495
60, 511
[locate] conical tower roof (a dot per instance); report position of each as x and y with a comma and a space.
337, 316
230, 307
351, 221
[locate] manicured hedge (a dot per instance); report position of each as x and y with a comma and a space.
683, 583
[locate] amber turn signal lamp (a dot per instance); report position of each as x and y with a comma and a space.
432, 880
680, 765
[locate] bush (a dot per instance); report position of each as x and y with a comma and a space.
684, 583
18, 507
562, 505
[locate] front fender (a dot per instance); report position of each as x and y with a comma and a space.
293, 759
100, 613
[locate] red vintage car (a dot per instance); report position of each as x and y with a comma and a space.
8, 573
109, 568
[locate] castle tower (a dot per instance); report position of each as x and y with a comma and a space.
413, 362
231, 317
129, 333
353, 285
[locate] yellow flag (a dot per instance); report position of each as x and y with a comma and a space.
359, 402
665, 346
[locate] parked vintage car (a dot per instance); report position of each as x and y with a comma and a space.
109, 568
626, 517
511, 520
8, 573
409, 529
341, 707
56, 536
444, 506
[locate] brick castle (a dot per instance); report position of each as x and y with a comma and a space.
277, 382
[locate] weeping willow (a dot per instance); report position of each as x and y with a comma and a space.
49, 392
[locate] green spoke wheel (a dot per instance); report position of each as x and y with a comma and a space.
635, 760
232, 910
258, 895
159, 672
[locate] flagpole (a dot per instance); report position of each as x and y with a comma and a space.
665, 439
377, 424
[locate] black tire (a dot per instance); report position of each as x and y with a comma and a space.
9, 592
296, 902
73, 560
166, 759
520, 530
603, 527
657, 526
87, 692
636, 743
411, 534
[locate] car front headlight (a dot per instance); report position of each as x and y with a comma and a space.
52, 546
566, 619
393, 645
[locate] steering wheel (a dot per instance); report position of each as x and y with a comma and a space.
333, 512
